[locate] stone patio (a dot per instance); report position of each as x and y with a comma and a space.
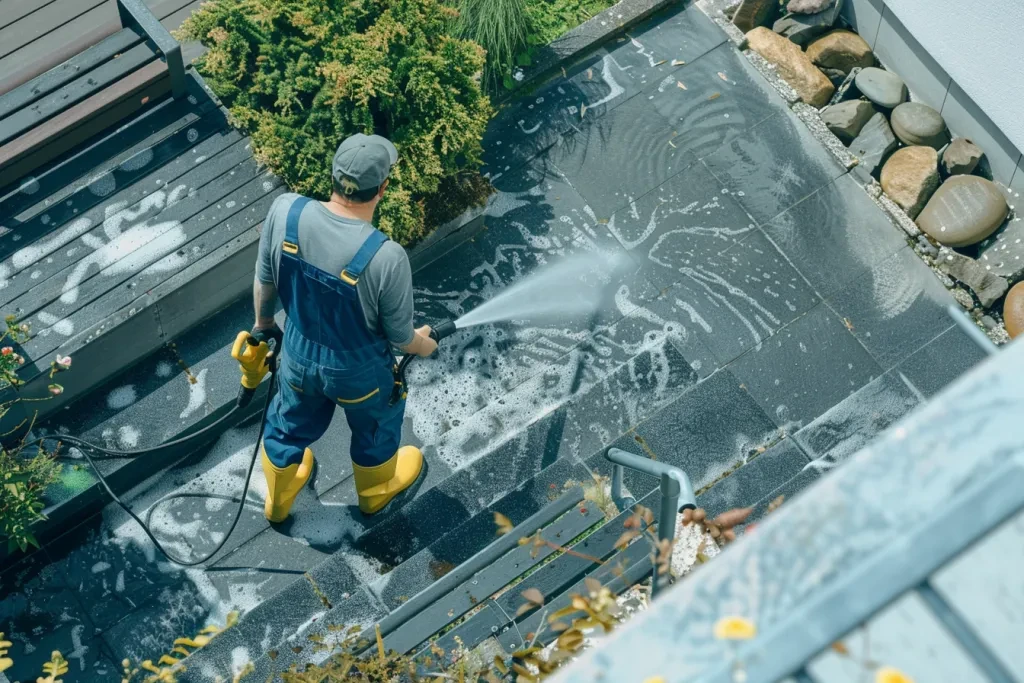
773, 320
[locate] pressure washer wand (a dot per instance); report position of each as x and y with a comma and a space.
442, 330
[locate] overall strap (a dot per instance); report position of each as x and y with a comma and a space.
363, 257
291, 225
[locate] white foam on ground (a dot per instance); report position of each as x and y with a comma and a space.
122, 397
138, 160
128, 437
164, 369
29, 185
196, 395
63, 327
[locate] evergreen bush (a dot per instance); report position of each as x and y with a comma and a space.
301, 75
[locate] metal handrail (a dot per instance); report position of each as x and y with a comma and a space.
676, 492
136, 13
965, 323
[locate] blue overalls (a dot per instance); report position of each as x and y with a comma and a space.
330, 358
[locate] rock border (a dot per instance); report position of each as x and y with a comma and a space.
811, 117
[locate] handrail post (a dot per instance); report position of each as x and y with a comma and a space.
136, 13
676, 494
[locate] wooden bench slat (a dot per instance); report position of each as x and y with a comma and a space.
39, 23
44, 84
63, 43
82, 121
85, 86
13, 10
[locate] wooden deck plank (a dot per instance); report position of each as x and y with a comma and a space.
119, 294
46, 83
166, 205
69, 39
67, 176
41, 22
50, 231
82, 121
15, 10
87, 85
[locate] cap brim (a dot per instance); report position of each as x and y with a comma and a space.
392, 150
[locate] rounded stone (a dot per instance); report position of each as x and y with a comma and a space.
882, 87
961, 157
918, 124
964, 211
1013, 310
910, 177
793, 65
809, 6
847, 119
842, 50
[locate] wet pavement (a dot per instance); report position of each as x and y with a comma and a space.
771, 321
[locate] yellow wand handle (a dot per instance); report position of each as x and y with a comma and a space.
252, 359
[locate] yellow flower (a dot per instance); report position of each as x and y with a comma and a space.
887, 674
735, 628
655, 679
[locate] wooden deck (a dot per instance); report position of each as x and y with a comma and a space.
136, 225
37, 35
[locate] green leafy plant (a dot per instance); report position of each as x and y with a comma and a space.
502, 28
23, 478
301, 75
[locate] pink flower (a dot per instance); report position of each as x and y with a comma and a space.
56, 389
19, 359
63, 362
6, 351
24, 327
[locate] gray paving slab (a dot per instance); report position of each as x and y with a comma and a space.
855, 421
805, 369
755, 479
712, 100
774, 165
896, 309
697, 434
634, 142
932, 367
736, 297
835, 235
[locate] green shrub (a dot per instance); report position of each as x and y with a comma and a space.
301, 75
23, 478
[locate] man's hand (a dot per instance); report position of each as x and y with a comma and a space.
425, 346
267, 333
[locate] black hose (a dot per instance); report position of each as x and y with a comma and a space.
115, 454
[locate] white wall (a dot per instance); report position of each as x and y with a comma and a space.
980, 44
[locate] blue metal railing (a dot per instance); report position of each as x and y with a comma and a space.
676, 493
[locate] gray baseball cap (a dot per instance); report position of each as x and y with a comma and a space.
366, 159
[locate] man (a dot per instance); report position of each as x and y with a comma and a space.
347, 292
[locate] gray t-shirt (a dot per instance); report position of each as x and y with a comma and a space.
329, 242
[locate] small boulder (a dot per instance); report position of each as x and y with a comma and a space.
874, 144
803, 27
1013, 310
809, 6
964, 211
918, 124
986, 286
847, 119
753, 13
842, 50
961, 157
910, 177
794, 66
882, 87
1003, 252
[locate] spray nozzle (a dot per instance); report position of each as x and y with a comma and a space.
442, 330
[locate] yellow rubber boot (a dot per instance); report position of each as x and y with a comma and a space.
376, 486
284, 484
